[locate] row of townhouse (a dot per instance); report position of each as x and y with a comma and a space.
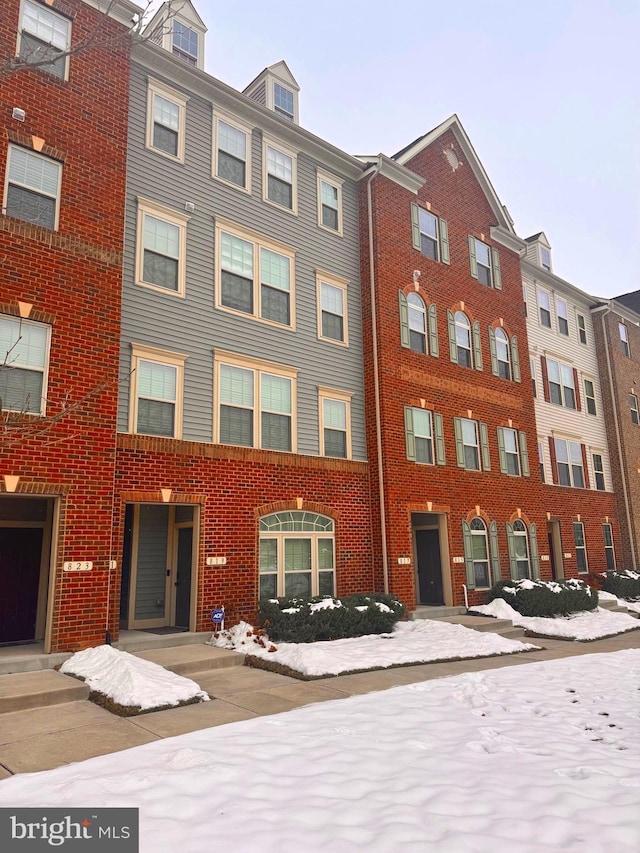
293, 372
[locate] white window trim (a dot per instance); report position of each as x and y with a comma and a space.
611, 547
143, 352
567, 438
558, 303
507, 453
270, 142
626, 349
46, 195
190, 25
563, 362
155, 88
243, 128
57, 14
44, 369
582, 547
269, 82
258, 241
590, 379
342, 284
540, 290
174, 218
345, 397
591, 453
337, 184
258, 366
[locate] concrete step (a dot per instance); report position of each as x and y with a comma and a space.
22, 690
186, 660
481, 623
614, 607
513, 633
14, 660
138, 641
427, 611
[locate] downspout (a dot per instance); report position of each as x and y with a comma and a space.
376, 384
623, 472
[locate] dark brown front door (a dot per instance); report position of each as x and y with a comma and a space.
20, 556
429, 567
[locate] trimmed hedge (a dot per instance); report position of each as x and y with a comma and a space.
546, 598
304, 620
624, 584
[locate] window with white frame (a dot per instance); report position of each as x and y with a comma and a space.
467, 434
283, 101
430, 234
633, 409
519, 557
581, 547
297, 555
185, 42
570, 463
157, 383
232, 153
624, 339
502, 354
477, 552
32, 188
166, 110
544, 308
417, 315
532, 366
280, 176
330, 203
335, 422
254, 276
256, 403
512, 448
45, 38
598, 470
590, 396
562, 317
424, 436
161, 248
562, 389
545, 259
332, 309
582, 329
463, 339
608, 547
24, 361
485, 263
541, 462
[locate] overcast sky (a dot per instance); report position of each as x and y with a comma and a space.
547, 91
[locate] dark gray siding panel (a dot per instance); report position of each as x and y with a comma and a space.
192, 325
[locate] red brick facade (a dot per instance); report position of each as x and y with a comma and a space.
72, 279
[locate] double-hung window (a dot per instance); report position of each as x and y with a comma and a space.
512, 448
581, 547
161, 248
541, 462
544, 308
283, 101
45, 39
562, 389
254, 276
485, 263
608, 547
335, 422
424, 436
280, 177
185, 42
24, 361
157, 381
465, 347
570, 463
232, 153
472, 444
417, 316
33, 188
633, 409
561, 312
476, 552
332, 309
624, 339
505, 361
519, 555
545, 259
590, 396
166, 111
463, 339
297, 554
430, 234
598, 470
330, 202
256, 403
582, 329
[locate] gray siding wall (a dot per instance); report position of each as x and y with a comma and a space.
193, 326
151, 575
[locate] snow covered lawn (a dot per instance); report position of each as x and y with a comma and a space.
130, 681
422, 641
531, 758
587, 625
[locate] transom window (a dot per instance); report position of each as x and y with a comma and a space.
570, 464
335, 423
332, 311
283, 101
581, 548
463, 339
590, 396
256, 403
417, 323
561, 311
297, 555
157, 379
480, 553
624, 339
598, 470
502, 354
45, 38
633, 409
185, 42
33, 188
520, 557
608, 547
544, 308
24, 358
254, 278
231, 156
562, 389
280, 177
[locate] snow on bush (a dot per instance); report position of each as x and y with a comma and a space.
546, 598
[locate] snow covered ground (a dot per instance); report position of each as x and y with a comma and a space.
586, 625
630, 605
131, 681
533, 758
422, 641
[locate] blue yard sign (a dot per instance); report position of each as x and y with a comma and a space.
217, 615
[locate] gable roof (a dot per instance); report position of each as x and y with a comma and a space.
540, 237
278, 69
177, 8
453, 123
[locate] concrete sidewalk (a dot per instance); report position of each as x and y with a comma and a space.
41, 738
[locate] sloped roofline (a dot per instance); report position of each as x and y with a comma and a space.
454, 124
269, 70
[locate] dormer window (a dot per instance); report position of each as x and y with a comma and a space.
545, 259
283, 101
276, 89
185, 43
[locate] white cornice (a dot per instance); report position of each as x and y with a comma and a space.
392, 170
507, 238
122, 11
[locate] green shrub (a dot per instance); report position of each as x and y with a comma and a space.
546, 598
303, 620
624, 584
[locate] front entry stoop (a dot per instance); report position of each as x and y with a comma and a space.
431, 611
187, 660
459, 616
22, 690
614, 607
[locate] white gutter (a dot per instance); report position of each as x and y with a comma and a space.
623, 473
376, 380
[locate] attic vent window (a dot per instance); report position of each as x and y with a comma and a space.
185, 43
452, 158
283, 101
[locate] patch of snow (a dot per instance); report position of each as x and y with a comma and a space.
242, 637
325, 604
538, 757
129, 680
